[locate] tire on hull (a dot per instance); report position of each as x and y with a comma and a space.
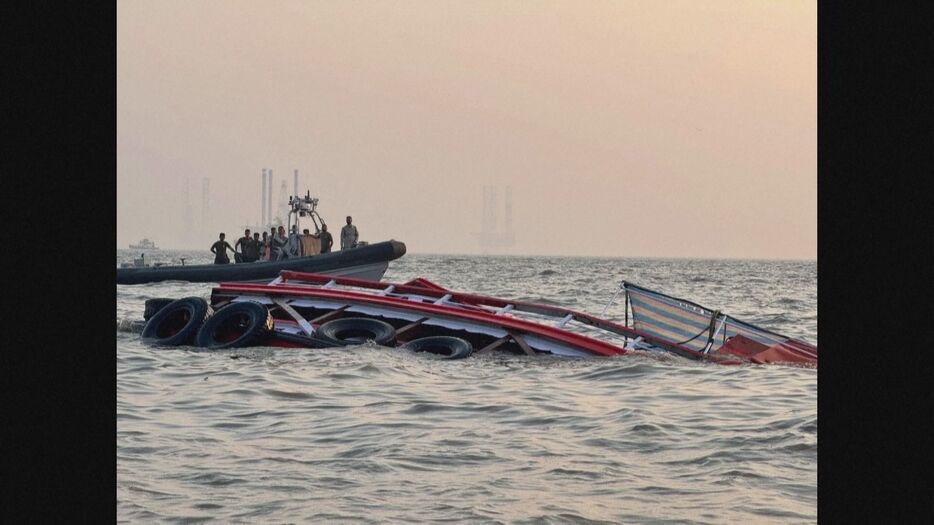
177, 323
235, 325
445, 347
356, 330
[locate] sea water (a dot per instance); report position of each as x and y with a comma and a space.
368, 434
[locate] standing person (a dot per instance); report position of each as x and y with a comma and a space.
293, 246
251, 253
243, 244
272, 245
278, 245
291, 249
326, 240
264, 247
349, 235
219, 249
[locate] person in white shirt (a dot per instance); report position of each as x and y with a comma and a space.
277, 243
293, 247
349, 235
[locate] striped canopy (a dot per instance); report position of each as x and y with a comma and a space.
694, 326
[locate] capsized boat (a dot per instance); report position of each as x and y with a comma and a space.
303, 305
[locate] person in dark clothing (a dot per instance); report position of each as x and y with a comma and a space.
272, 244
264, 245
326, 240
219, 249
255, 246
243, 244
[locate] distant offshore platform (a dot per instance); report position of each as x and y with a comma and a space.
273, 214
494, 239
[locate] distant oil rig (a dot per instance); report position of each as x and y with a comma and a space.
272, 215
492, 237
275, 215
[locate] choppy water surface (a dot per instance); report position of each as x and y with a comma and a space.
368, 434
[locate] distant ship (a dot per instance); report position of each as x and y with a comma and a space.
144, 244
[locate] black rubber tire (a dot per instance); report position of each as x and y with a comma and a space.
355, 331
301, 339
154, 305
177, 323
234, 326
445, 347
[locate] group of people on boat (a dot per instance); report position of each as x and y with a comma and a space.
276, 245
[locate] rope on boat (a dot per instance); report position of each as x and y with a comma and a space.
710, 332
622, 286
713, 336
698, 334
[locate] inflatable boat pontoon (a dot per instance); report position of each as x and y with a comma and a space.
365, 262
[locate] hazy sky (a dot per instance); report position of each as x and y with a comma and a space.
642, 128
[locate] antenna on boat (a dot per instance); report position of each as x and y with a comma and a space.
302, 207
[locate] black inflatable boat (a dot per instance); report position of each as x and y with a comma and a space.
366, 262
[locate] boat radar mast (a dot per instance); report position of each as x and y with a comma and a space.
306, 206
